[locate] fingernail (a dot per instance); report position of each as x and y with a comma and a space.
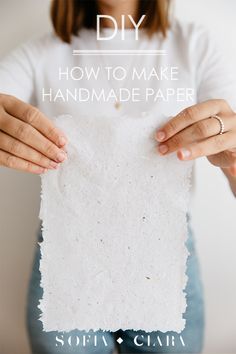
61, 156
62, 141
64, 149
163, 149
185, 153
42, 170
160, 135
53, 165
37, 169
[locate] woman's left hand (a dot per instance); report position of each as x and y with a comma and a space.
194, 132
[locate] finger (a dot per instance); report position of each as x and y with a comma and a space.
31, 115
19, 149
208, 147
223, 159
233, 151
196, 132
8, 160
190, 116
30, 136
232, 170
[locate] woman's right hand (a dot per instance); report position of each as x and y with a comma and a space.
29, 141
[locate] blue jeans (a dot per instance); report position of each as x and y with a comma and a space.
190, 340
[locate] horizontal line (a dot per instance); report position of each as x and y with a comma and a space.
119, 52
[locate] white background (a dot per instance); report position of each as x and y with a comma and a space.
214, 207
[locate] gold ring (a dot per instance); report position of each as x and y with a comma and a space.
222, 126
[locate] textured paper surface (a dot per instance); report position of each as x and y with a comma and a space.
114, 229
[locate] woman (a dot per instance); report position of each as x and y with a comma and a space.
29, 141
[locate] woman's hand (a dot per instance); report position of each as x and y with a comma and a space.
29, 141
194, 133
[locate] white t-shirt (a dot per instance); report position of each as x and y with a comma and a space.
31, 72
34, 66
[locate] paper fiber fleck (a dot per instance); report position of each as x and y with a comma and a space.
114, 229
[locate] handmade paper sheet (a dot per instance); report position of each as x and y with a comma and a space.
114, 229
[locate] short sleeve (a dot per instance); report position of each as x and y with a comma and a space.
215, 70
17, 74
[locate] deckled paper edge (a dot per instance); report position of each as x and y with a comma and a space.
43, 211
